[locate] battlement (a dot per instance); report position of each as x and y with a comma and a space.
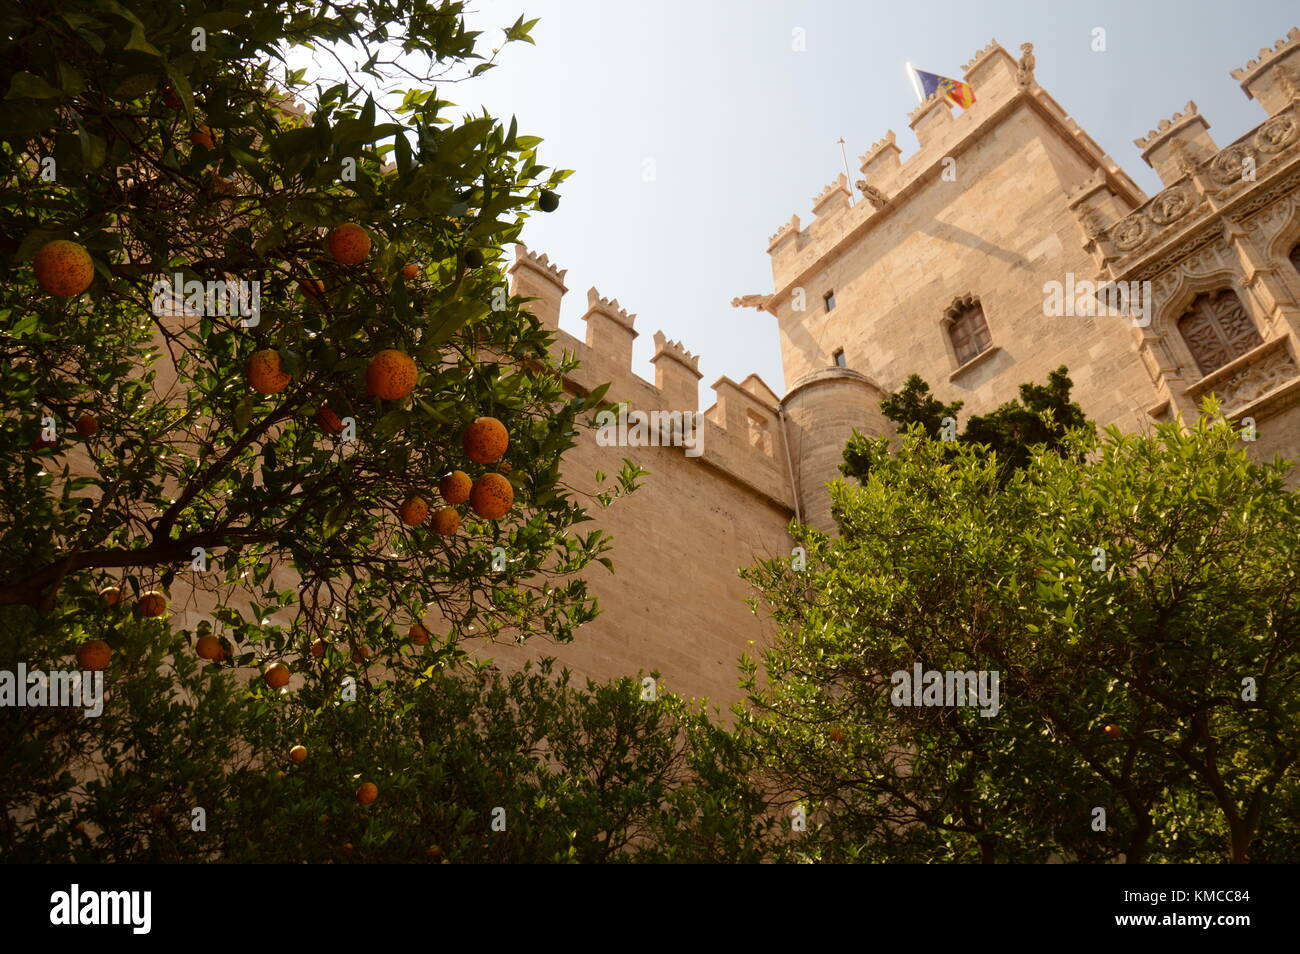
743, 437
1169, 127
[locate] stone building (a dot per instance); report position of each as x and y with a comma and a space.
945, 268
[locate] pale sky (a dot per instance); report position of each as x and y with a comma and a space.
740, 130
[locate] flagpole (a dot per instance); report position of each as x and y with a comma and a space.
845, 155
916, 83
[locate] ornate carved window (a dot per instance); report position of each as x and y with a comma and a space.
1217, 330
967, 328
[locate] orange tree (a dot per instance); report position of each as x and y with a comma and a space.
269, 462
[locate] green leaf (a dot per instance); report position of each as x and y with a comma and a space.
30, 86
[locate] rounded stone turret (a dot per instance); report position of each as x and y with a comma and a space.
823, 407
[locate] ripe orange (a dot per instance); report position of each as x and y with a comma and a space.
40, 443
367, 793
93, 655
492, 496
298, 753
329, 422
203, 136
837, 735
347, 848
1113, 731
63, 268
318, 648
446, 521
349, 244
312, 288
410, 271
434, 852
111, 595
264, 372
361, 654
455, 487
419, 634
209, 647
152, 605
87, 425
276, 675
486, 440
414, 511
391, 375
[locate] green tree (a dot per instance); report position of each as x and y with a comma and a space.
1140, 607
1044, 418
163, 139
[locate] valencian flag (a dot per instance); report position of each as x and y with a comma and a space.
960, 93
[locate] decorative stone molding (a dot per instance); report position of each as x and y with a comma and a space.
610, 308
1266, 57
1170, 205
959, 305
1167, 127
675, 349
1277, 133
790, 228
878, 148
833, 197
751, 301
540, 263
1249, 378
1025, 68
1225, 168
873, 195
981, 55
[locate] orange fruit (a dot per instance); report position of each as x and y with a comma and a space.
391, 375
111, 595
837, 735
329, 422
203, 136
367, 793
318, 648
265, 373
349, 243
347, 848
446, 521
1113, 731
361, 654
492, 496
486, 440
93, 655
276, 675
298, 753
209, 647
455, 487
152, 605
414, 511
312, 287
40, 443
434, 852
63, 268
419, 634
87, 425
410, 271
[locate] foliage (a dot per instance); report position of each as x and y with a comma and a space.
1139, 590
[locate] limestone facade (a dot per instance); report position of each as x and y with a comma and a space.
998, 202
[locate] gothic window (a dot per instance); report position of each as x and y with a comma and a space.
967, 329
1295, 258
1217, 330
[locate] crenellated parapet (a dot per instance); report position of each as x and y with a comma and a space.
1273, 78
1005, 89
743, 439
1177, 144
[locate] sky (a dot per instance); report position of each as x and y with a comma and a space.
696, 129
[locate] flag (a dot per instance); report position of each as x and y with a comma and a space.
960, 93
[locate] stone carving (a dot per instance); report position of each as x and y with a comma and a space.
1252, 383
1218, 330
1225, 168
1092, 224
1131, 232
1025, 72
1276, 134
1183, 158
1170, 205
873, 195
750, 301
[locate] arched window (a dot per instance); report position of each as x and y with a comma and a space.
967, 329
1295, 258
1217, 330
